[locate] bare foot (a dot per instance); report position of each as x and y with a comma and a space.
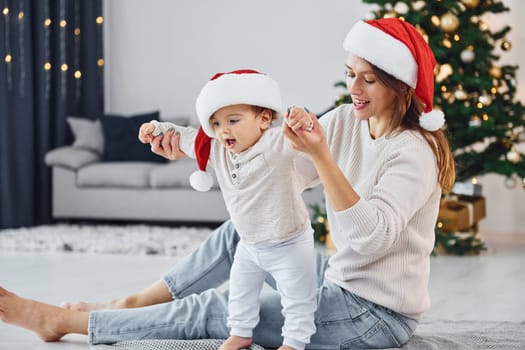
285, 347
236, 343
45, 320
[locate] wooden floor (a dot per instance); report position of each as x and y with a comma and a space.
486, 287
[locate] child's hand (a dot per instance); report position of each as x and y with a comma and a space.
146, 132
298, 118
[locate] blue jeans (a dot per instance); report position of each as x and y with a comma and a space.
343, 320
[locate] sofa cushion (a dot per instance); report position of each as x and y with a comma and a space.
87, 134
175, 174
70, 157
121, 143
116, 174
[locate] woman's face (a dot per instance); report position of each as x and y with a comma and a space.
371, 98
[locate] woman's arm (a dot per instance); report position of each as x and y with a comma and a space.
338, 190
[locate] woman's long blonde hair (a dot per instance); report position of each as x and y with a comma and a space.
407, 109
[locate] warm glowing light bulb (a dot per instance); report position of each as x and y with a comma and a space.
63, 23
5, 11
100, 62
47, 22
8, 58
77, 31
64, 67
77, 74
47, 66
474, 180
21, 15
100, 20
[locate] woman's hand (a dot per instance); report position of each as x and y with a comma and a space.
298, 118
311, 139
167, 145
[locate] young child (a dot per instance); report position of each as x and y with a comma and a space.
255, 169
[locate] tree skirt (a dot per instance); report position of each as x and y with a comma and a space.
104, 239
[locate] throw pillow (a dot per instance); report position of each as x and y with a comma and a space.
121, 141
87, 134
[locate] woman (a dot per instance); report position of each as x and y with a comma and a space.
383, 162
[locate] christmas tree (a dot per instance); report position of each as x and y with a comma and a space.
484, 121
476, 93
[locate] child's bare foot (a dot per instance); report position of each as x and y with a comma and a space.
43, 319
236, 343
285, 347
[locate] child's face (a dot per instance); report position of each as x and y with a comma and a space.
238, 127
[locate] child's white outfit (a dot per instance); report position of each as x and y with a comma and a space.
262, 193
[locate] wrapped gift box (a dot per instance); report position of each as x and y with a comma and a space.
459, 213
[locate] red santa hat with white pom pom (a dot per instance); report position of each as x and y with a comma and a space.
243, 86
397, 48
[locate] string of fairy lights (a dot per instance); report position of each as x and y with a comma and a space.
15, 17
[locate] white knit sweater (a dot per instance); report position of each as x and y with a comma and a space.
384, 241
260, 185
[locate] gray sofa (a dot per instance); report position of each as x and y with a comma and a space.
86, 188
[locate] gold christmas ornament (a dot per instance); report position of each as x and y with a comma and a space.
435, 20
446, 43
442, 72
506, 45
449, 22
483, 26
495, 72
471, 3
390, 14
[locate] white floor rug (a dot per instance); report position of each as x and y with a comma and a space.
105, 239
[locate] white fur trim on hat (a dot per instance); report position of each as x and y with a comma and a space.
201, 180
383, 51
231, 89
433, 120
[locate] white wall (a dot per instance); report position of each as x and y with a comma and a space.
158, 55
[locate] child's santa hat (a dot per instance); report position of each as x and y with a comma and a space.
397, 48
243, 86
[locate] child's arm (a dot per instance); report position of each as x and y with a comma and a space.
154, 130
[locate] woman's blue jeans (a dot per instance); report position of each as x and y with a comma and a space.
199, 310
